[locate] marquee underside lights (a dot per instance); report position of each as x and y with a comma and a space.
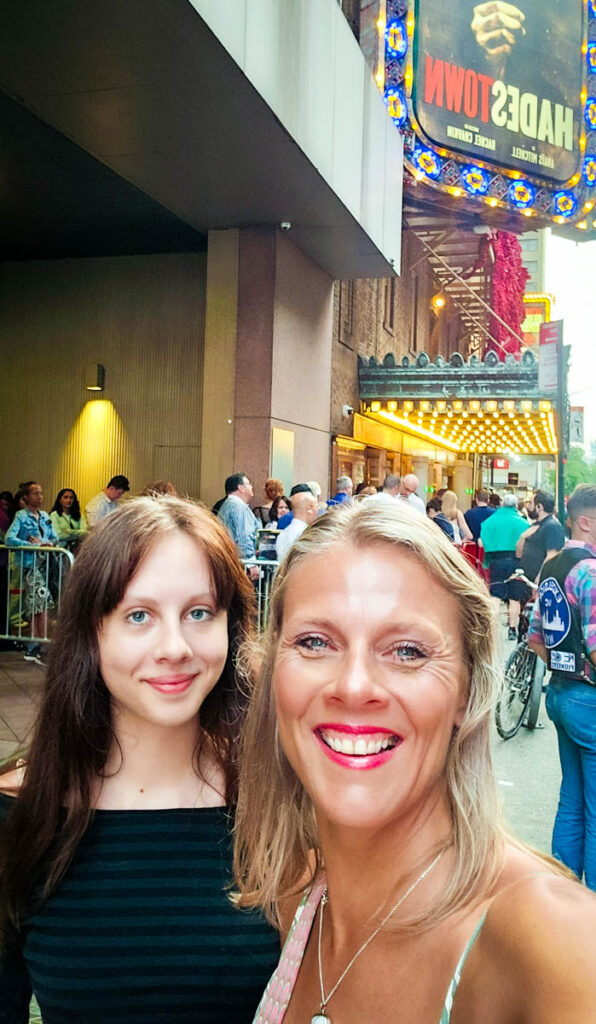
482, 426
521, 138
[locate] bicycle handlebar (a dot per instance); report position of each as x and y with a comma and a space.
521, 576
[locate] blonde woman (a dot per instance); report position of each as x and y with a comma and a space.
461, 530
368, 798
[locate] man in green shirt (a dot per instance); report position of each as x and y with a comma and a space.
499, 535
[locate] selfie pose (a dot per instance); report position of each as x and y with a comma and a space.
115, 847
368, 800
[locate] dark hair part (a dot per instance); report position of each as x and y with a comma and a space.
482, 496
120, 482
73, 734
435, 504
546, 499
275, 505
582, 499
233, 482
75, 510
6, 495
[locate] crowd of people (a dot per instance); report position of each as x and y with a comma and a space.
198, 799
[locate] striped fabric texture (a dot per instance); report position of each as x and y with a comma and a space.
141, 929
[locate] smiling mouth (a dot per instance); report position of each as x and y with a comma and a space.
368, 745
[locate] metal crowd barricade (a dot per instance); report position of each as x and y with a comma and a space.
31, 582
262, 585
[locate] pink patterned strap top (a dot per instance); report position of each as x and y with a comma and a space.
278, 993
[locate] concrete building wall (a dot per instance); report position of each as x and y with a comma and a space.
302, 353
142, 318
304, 61
272, 336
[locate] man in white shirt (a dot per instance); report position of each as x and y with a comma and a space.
107, 500
407, 492
305, 509
390, 490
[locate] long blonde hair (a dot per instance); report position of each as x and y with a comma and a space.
276, 835
449, 504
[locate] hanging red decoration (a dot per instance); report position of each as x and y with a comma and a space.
508, 282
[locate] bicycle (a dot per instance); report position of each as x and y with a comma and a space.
519, 702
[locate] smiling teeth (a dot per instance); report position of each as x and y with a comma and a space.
359, 747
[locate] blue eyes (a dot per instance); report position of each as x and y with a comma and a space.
408, 652
199, 614
311, 643
137, 618
401, 652
140, 617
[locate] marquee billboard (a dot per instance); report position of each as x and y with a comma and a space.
497, 101
502, 82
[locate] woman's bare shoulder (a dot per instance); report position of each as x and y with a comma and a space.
11, 782
539, 934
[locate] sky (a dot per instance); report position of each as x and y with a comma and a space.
570, 276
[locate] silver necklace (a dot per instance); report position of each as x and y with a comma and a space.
321, 1017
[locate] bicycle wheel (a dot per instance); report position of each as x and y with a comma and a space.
535, 692
511, 706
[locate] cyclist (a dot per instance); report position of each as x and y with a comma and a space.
563, 633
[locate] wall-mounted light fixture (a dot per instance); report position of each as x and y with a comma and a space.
438, 302
94, 377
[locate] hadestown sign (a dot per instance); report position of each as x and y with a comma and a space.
502, 82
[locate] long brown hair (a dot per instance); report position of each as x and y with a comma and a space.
73, 733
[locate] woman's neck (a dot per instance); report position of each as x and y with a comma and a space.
151, 767
366, 872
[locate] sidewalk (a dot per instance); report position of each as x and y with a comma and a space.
20, 687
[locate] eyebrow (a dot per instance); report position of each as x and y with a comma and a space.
139, 598
401, 624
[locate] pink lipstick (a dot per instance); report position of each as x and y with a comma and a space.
357, 746
171, 684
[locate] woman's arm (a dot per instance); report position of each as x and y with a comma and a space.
12, 538
464, 529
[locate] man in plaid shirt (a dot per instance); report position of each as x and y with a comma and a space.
563, 633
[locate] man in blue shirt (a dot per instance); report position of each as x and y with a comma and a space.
475, 517
344, 491
239, 520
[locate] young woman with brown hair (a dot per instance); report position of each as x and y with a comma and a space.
115, 849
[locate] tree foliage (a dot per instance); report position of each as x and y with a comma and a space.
577, 469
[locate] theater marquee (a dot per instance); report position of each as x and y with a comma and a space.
497, 100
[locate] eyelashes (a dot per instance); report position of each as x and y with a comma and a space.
403, 651
312, 642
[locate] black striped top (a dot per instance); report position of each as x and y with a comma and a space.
141, 929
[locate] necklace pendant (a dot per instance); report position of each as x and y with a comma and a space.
320, 1018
